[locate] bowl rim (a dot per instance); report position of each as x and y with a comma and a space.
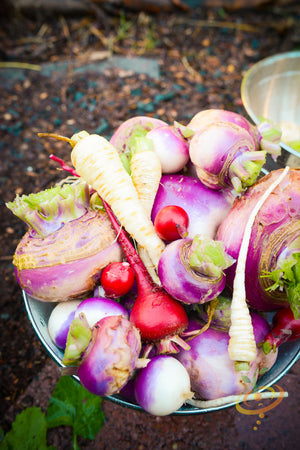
247, 78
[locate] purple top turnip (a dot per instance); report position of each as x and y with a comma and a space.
106, 354
273, 257
60, 320
137, 126
67, 244
192, 270
213, 374
162, 386
225, 149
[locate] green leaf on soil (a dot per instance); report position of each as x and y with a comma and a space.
72, 405
29, 431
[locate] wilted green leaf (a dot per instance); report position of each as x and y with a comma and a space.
245, 379
263, 370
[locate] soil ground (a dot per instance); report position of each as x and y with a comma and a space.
57, 75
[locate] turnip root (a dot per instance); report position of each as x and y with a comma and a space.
213, 374
106, 354
67, 244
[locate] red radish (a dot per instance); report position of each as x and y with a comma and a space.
158, 316
284, 328
117, 279
171, 223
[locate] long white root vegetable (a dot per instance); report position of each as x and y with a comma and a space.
202, 404
242, 346
146, 173
99, 164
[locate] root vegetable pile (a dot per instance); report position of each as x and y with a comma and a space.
160, 256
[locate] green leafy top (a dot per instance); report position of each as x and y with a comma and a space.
286, 276
136, 142
79, 337
48, 210
208, 257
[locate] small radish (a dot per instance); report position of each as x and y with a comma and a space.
117, 279
171, 223
284, 328
162, 386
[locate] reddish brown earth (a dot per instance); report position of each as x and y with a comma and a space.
193, 61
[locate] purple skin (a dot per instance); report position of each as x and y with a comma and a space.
127, 391
212, 372
205, 207
171, 148
222, 142
218, 152
111, 357
123, 133
162, 386
275, 228
96, 309
60, 320
66, 281
180, 281
200, 120
67, 263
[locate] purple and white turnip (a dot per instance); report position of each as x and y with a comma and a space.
62, 262
213, 374
60, 320
191, 270
163, 386
225, 149
105, 355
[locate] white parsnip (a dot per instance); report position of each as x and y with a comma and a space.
242, 346
99, 164
146, 173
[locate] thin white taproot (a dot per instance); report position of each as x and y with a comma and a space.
242, 346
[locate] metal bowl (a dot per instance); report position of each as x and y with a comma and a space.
271, 89
39, 312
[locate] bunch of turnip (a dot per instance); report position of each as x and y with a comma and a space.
162, 257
